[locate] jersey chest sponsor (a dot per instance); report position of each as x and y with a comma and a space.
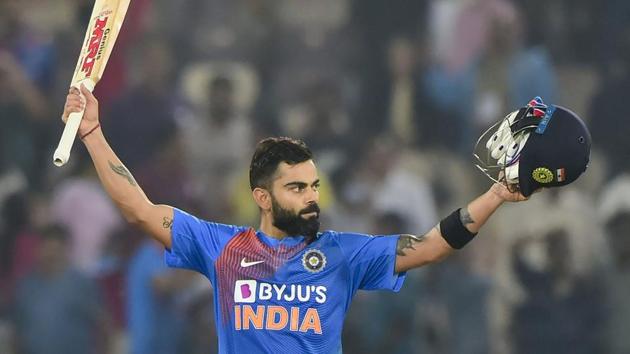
268, 315
249, 291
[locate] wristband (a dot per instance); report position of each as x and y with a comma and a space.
454, 232
91, 130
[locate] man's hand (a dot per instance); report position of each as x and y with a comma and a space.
501, 191
77, 101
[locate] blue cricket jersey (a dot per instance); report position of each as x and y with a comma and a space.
274, 296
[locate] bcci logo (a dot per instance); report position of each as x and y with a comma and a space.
542, 175
314, 260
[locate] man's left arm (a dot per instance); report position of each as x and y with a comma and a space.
453, 232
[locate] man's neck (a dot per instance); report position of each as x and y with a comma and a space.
266, 226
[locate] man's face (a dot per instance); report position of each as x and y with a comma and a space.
294, 198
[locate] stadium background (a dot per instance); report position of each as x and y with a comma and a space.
390, 94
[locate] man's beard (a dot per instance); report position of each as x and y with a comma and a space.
294, 224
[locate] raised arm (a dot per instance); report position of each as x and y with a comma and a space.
156, 220
416, 251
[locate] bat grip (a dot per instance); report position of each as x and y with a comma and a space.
62, 154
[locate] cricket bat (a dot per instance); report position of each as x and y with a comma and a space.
105, 22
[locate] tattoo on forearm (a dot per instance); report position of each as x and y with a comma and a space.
406, 242
465, 217
123, 171
167, 223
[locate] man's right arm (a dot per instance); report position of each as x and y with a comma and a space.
137, 209
156, 220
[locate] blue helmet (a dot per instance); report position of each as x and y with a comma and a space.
534, 147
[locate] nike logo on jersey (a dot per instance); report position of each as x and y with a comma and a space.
246, 264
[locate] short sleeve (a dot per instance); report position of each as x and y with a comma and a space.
372, 261
196, 243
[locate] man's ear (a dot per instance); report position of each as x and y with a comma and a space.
262, 197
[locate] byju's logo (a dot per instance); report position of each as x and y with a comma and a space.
245, 291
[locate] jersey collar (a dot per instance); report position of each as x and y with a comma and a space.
274, 242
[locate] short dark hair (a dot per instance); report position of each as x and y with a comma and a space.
270, 152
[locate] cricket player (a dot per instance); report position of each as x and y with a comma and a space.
286, 287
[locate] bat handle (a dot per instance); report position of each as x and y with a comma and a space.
62, 154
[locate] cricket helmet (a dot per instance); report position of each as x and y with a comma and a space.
533, 147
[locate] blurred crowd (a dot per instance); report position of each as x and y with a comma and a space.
391, 96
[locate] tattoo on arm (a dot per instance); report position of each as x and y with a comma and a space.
123, 171
465, 218
406, 242
167, 223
